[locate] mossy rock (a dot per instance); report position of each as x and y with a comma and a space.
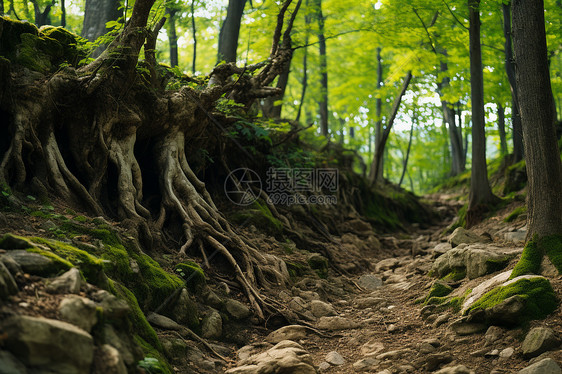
11, 241
154, 361
455, 275
535, 249
539, 299
319, 264
438, 290
260, 216
296, 269
193, 275
10, 34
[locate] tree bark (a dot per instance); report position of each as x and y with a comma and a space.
194, 31
323, 103
378, 124
405, 164
501, 129
381, 145
63, 13
172, 36
42, 17
272, 109
230, 30
480, 193
96, 14
544, 170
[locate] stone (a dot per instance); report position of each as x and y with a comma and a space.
108, 360
370, 282
334, 358
506, 313
492, 334
441, 249
54, 345
33, 263
123, 343
441, 319
11, 264
464, 236
248, 351
174, 348
366, 364
372, 347
291, 332
507, 352
48, 225
112, 306
10, 241
79, 311
211, 327
68, 282
484, 287
336, 323
462, 327
516, 236
324, 366
539, 340
164, 322
458, 369
285, 357
426, 348
386, 264
10, 365
546, 366
370, 302
394, 355
434, 360
237, 310
185, 311
8, 284
321, 309
211, 298
492, 354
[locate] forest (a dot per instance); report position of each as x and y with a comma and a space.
293, 186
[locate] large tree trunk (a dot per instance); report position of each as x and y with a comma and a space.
96, 14
544, 198
510, 71
230, 30
481, 196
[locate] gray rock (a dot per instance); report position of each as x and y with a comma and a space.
386, 264
492, 334
539, 340
478, 291
336, 323
516, 236
164, 322
211, 326
237, 310
211, 298
53, 345
506, 313
464, 236
324, 366
366, 364
8, 285
33, 263
459, 369
248, 351
291, 332
123, 343
370, 282
372, 347
492, 354
285, 357
11, 264
394, 355
108, 360
441, 319
113, 307
462, 327
321, 309
507, 352
426, 348
441, 249
10, 365
79, 311
69, 282
10, 241
434, 360
185, 310
48, 225
174, 348
546, 366
334, 358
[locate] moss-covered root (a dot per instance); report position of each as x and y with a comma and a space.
535, 249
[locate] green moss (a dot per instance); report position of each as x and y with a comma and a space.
438, 290
58, 266
150, 366
192, 273
154, 285
493, 265
515, 213
455, 275
319, 264
436, 300
296, 269
552, 246
81, 219
260, 216
530, 261
11, 241
537, 293
89, 265
461, 220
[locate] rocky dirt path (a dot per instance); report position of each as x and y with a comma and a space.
375, 322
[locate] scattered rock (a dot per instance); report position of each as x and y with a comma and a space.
426, 348
492, 354
492, 334
462, 327
506, 313
53, 345
371, 348
370, 282
185, 311
8, 285
386, 264
539, 340
11, 264
546, 366
211, 298
324, 366
441, 319
33, 263
69, 282
174, 348
459, 369
285, 357
394, 355
79, 311
123, 343
164, 322
321, 309
484, 287
434, 360
507, 352
10, 365
336, 323
366, 364
113, 307
10, 241
237, 310
250, 350
291, 332
464, 236
441, 249
211, 327
516, 236
334, 358
108, 360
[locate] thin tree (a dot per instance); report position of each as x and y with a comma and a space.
501, 129
323, 102
304, 82
230, 30
407, 157
481, 195
194, 31
378, 114
172, 36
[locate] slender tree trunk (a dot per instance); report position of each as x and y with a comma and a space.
96, 14
501, 130
271, 108
230, 30
63, 13
172, 36
510, 71
378, 113
2, 7
480, 193
379, 150
194, 32
323, 70
544, 198
307, 22
405, 165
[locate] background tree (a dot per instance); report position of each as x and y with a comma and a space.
230, 30
96, 14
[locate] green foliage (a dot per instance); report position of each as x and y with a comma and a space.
515, 213
154, 362
539, 298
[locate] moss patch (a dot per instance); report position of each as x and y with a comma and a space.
319, 264
552, 246
193, 275
296, 269
537, 293
515, 213
530, 261
260, 216
160, 366
455, 275
438, 290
